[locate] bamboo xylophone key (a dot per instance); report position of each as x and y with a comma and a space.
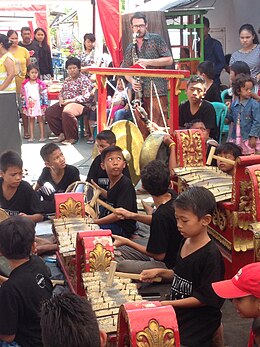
111, 273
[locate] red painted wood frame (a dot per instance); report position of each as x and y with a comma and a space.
174, 77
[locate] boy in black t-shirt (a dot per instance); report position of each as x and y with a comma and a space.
104, 139
207, 71
16, 195
121, 193
165, 239
28, 285
197, 108
198, 264
56, 176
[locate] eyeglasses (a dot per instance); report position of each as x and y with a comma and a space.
141, 26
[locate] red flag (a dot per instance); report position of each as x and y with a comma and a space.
110, 17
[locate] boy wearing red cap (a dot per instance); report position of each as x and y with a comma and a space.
244, 289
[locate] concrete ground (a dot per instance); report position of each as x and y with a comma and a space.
236, 329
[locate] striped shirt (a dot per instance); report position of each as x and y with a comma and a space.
11, 88
252, 59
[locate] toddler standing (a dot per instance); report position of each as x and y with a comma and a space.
35, 100
245, 113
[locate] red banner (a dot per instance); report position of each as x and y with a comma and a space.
110, 17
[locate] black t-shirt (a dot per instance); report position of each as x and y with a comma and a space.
20, 300
164, 234
193, 276
99, 176
213, 94
71, 175
33, 49
206, 113
24, 200
122, 194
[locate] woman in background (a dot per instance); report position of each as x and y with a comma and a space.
249, 51
21, 60
9, 121
45, 61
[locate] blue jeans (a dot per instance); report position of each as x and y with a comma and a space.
122, 115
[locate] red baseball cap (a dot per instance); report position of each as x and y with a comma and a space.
245, 282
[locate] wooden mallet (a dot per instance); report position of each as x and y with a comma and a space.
212, 156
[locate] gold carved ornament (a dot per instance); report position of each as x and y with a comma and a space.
155, 335
245, 200
71, 208
99, 258
191, 144
220, 219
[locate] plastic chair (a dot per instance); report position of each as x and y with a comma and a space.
221, 112
223, 95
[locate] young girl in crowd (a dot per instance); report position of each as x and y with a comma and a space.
119, 99
35, 100
245, 113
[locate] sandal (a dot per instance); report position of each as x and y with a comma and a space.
26, 136
42, 140
31, 139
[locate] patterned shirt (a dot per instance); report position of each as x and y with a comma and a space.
79, 90
252, 59
153, 47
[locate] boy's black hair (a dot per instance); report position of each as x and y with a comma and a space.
155, 178
47, 150
109, 150
138, 15
240, 82
73, 61
196, 79
17, 236
198, 200
229, 148
108, 136
10, 159
240, 67
67, 320
207, 67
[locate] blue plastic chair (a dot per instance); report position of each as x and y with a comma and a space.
221, 112
223, 95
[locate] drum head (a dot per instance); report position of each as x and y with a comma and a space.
129, 137
154, 149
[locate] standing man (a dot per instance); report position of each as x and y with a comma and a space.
31, 45
33, 49
213, 51
151, 52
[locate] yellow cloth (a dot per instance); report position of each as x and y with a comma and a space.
3, 74
20, 55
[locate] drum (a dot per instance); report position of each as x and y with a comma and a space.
154, 149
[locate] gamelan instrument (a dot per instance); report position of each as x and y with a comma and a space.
236, 223
86, 257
